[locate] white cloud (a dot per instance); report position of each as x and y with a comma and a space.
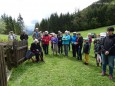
38, 9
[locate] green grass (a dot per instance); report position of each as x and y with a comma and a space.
60, 71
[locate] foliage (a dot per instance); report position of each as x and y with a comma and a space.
2, 26
11, 24
99, 14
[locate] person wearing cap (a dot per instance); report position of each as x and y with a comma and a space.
37, 50
12, 36
23, 36
74, 43
86, 49
65, 42
108, 52
45, 42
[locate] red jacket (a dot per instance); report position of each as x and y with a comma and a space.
46, 39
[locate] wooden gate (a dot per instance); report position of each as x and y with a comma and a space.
15, 55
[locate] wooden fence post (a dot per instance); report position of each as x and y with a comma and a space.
3, 76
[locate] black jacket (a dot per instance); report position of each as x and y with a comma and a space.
86, 48
35, 48
59, 40
24, 37
80, 42
108, 44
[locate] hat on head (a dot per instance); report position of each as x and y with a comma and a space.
110, 29
46, 32
36, 28
74, 32
86, 39
36, 40
66, 31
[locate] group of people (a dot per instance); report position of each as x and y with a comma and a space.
60, 43
104, 47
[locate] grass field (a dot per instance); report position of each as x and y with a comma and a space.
60, 71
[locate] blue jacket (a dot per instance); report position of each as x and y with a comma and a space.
73, 39
66, 39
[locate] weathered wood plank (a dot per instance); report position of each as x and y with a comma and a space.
3, 76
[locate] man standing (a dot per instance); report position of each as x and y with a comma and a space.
23, 36
108, 52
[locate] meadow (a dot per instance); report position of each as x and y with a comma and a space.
60, 70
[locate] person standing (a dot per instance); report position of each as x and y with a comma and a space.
79, 46
108, 52
45, 41
12, 36
86, 49
23, 36
37, 34
60, 46
65, 42
74, 43
54, 41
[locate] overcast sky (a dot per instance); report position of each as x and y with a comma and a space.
35, 10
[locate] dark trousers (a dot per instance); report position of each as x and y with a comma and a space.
108, 60
46, 48
69, 46
37, 55
66, 49
79, 49
60, 49
74, 50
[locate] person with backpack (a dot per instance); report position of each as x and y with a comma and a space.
108, 52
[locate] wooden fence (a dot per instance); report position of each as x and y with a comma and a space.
3, 76
15, 54
11, 54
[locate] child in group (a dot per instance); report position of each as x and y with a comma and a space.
86, 49
54, 41
98, 52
